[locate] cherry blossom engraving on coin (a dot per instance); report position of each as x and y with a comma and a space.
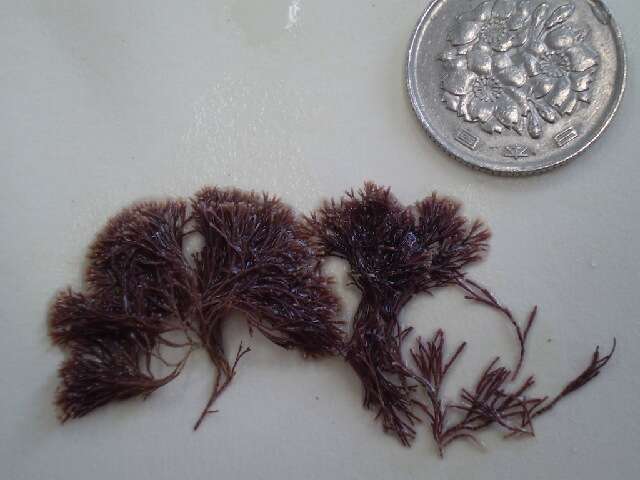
518, 65
516, 87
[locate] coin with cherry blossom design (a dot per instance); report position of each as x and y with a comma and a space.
516, 87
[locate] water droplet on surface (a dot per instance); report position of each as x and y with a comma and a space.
294, 14
265, 22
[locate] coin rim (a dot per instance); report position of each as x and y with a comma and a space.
478, 164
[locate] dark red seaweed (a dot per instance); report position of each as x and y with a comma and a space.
495, 400
394, 253
256, 260
140, 288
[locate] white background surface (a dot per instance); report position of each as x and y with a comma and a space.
103, 103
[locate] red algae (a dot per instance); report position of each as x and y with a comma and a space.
394, 253
141, 287
259, 259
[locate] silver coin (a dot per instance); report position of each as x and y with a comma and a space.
516, 87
